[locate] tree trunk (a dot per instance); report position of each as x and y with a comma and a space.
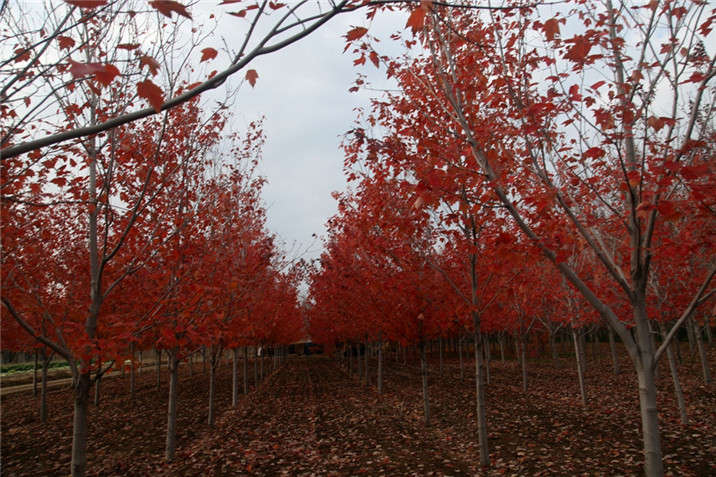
486, 347
97, 381
203, 359
459, 353
380, 366
502, 348
235, 377
613, 350
43, 387
261, 364
709, 333
365, 364
440, 348
690, 335
675, 378
645, 365
171, 443
358, 363
131, 373
523, 359
553, 345
702, 352
582, 350
212, 386
480, 395
256, 369
246, 369
158, 366
424, 375
350, 360
650, 423
34, 377
79, 425
580, 366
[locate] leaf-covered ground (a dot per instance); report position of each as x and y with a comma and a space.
309, 417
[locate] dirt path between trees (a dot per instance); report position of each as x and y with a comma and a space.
309, 418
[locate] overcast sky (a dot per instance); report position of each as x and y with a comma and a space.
302, 91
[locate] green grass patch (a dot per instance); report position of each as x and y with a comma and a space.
25, 367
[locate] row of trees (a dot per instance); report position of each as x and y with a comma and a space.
584, 130
151, 235
533, 171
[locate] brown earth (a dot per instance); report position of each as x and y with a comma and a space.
309, 417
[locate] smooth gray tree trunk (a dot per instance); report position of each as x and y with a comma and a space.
366, 380
256, 369
171, 441
579, 357
246, 369
486, 347
613, 350
440, 347
158, 367
79, 424
705, 368
480, 395
380, 366
350, 360
235, 377
523, 360
459, 353
97, 381
34, 377
43, 387
424, 376
680, 402
212, 386
131, 373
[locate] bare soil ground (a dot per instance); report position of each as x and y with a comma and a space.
310, 418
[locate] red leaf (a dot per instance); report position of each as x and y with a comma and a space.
151, 63
276, 5
86, 3
696, 77
417, 18
83, 69
551, 28
35, 188
60, 181
21, 55
579, 50
208, 54
166, 7
374, 58
251, 76
356, 33
65, 42
106, 74
594, 152
598, 85
152, 93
